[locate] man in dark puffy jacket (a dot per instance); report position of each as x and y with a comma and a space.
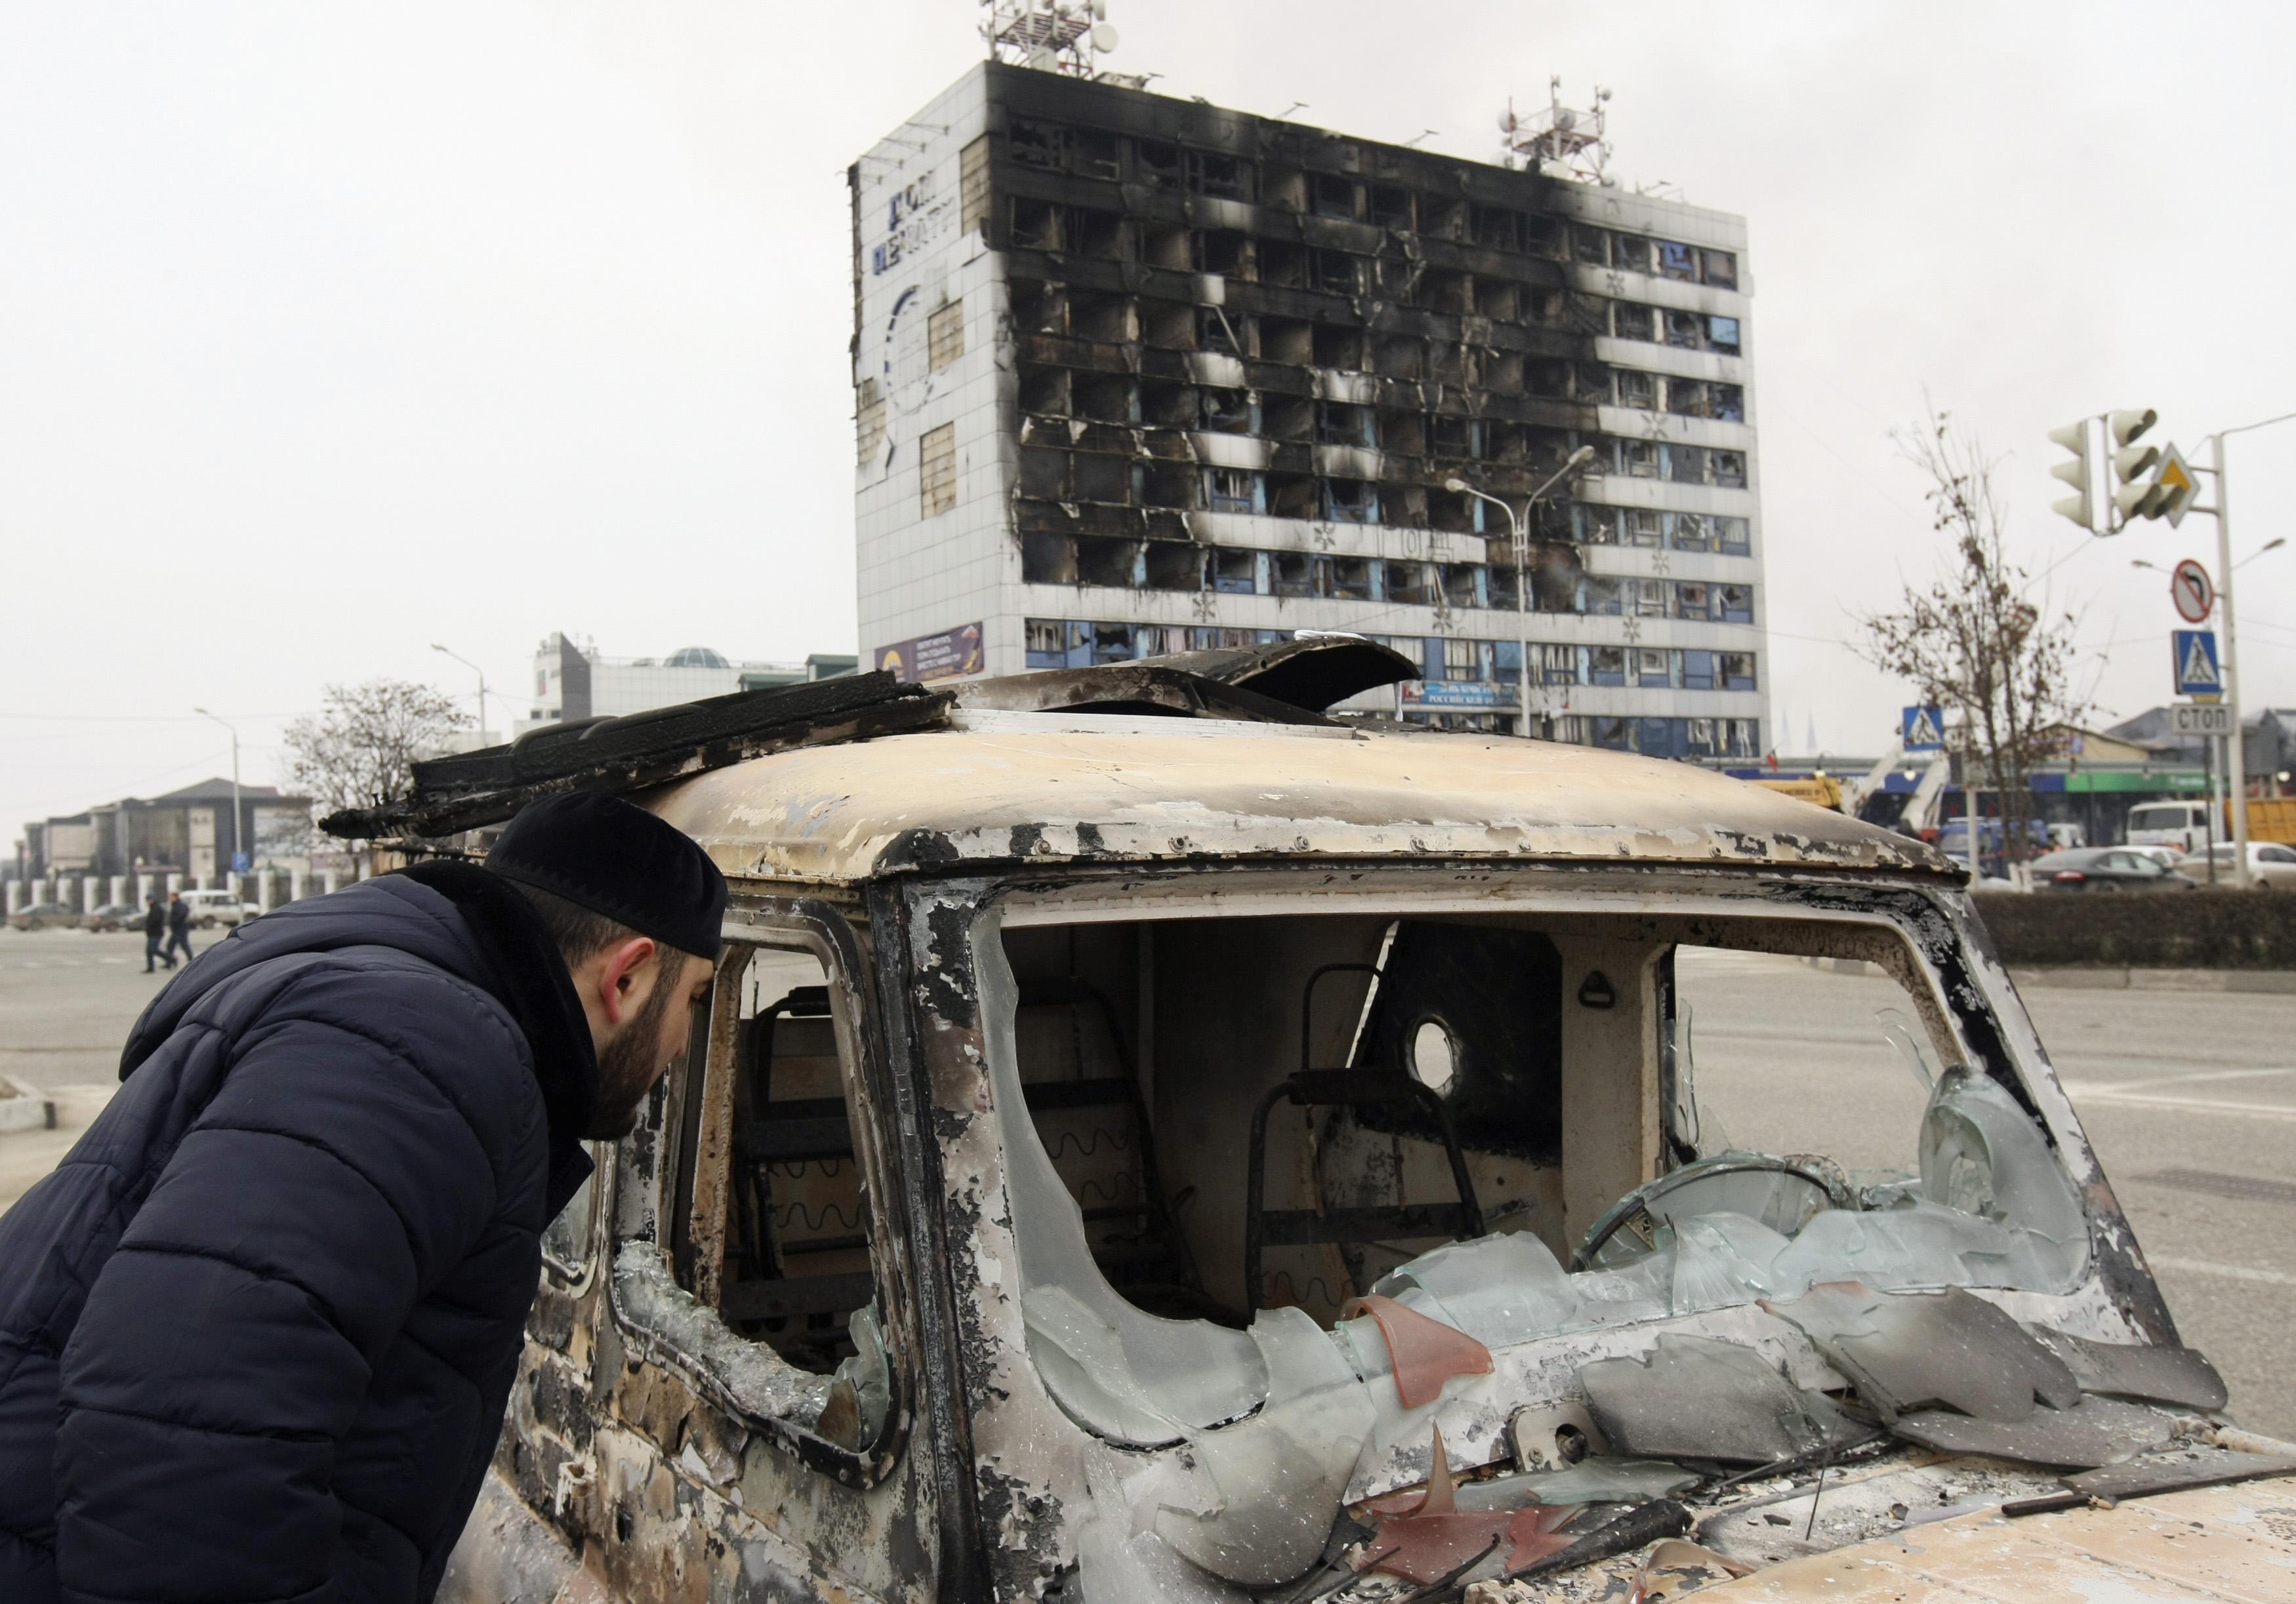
258, 1329
179, 927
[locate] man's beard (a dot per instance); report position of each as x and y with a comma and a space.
629, 1066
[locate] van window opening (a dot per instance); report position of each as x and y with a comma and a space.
1221, 1132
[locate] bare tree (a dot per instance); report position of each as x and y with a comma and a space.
1971, 641
359, 749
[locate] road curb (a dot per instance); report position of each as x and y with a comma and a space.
24, 1108
2112, 978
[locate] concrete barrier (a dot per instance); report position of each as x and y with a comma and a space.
2137, 931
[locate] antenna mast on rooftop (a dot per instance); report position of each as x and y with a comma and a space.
1050, 36
1561, 141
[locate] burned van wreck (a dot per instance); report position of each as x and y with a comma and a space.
1153, 1141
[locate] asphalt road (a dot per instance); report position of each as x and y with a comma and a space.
2191, 1103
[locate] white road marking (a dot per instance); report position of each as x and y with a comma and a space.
2268, 1278
2090, 1093
2185, 1080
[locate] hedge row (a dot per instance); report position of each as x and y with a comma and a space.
2153, 930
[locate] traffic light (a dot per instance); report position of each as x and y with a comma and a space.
2131, 463
2074, 437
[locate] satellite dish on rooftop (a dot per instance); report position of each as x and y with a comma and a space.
1104, 36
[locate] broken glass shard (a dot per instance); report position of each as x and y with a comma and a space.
1911, 1351
1699, 1398
2164, 1375
2095, 1431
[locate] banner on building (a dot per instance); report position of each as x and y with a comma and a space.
951, 654
1457, 693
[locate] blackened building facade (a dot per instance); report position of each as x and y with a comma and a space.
1135, 374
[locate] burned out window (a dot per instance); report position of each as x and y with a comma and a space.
1734, 604
1332, 195
1299, 575
1047, 642
1678, 261
1334, 271
1639, 459
1606, 665
1686, 329
1603, 594
1737, 671
1631, 320
1157, 163
1234, 490
1639, 526
1094, 154
1686, 464
1500, 588
1229, 411
1589, 246
1221, 178
1410, 583
1174, 565
1597, 525
1721, 268
1039, 144
772, 1229
1691, 532
1693, 600
1730, 469
1236, 572
1048, 559
1637, 389
1726, 403
1355, 578
1686, 398
1645, 598
1338, 423
937, 470
1350, 501
1630, 253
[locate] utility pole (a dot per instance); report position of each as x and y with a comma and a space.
481, 672
1518, 540
233, 861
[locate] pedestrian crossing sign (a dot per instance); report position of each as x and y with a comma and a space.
1922, 729
2199, 673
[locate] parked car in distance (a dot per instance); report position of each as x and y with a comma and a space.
213, 908
42, 916
113, 916
2105, 869
2184, 826
2271, 866
2167, 857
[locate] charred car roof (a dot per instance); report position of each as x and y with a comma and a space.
1225, 754
1002, 786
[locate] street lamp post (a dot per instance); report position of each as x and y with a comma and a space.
1519, 542
236, 816
481, 672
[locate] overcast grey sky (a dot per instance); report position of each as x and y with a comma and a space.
329, 331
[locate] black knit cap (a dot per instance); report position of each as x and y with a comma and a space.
600, 853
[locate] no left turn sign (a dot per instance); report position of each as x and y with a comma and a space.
2195, 593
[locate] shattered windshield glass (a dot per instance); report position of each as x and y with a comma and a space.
1283, 1186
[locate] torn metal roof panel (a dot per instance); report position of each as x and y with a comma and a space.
1000, 787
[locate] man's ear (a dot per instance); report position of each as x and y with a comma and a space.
623, 977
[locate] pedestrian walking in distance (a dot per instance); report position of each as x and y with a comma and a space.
155, 929
179, 927
258, 1329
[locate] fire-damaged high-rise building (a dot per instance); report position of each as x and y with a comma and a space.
1135, 375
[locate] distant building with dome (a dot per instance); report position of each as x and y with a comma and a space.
573, 680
